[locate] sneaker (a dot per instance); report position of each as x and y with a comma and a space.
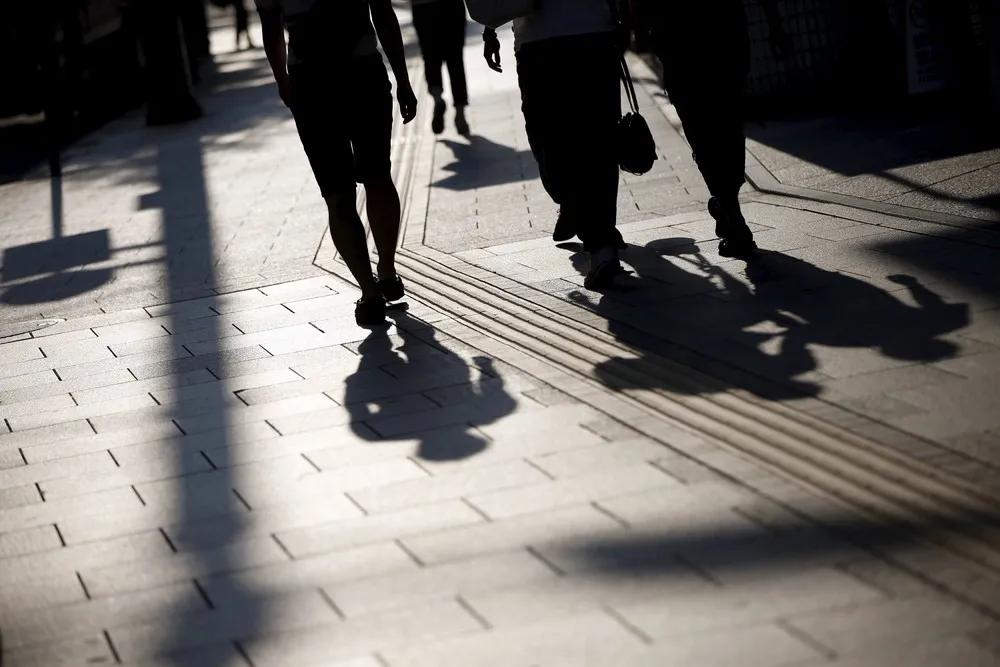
564, 230
437, 122
391, 288
370, 312
604, 266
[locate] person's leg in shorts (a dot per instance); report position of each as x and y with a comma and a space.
325, 131
371, 138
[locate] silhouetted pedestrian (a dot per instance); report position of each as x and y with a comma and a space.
440, 26
333, 79
704, 48
568, 67
242, 24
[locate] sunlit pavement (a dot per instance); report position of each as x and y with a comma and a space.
783, 462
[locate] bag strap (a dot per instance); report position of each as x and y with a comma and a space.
625, 75
633, 101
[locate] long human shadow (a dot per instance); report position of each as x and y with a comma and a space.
761, 328
385, 375
480, 163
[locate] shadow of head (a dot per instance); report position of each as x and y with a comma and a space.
480, 162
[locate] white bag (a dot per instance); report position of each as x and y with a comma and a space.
494, 13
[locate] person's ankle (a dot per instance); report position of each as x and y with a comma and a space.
386, 271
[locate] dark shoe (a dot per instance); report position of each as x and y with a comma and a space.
721, 219
437, 122
462, 125
741, 247
565, 229
604, 266
370, 312
391, 288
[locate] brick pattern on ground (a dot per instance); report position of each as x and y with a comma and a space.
222, 469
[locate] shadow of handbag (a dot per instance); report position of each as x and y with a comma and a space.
636, 148
494, 13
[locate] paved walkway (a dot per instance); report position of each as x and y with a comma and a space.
787, 462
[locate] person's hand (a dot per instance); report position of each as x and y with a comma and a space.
781, 43
285, 90
491, 50
407, 101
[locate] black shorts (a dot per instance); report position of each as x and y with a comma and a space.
343, 112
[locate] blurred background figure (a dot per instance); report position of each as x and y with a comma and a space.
440, 26
242, 21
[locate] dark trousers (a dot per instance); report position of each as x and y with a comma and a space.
571, 100
705, 65
440, 27
242, 18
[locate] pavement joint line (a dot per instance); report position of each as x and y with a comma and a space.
861, 473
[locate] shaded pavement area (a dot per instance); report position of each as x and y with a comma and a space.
205, 462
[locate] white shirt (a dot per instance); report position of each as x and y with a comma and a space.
563, 18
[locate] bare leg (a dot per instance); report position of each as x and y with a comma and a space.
348, 234
383, 215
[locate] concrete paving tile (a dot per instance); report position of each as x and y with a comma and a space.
125, 385
88, 441
40, 412
14, 386
93, 649
573, 639
765, 601
93, 464
167, 567
30, 540
331, 484
91, 616
356, 637
854, 629
139, 642
326, 570
553, 494
264, 411
416, 586
448, 486
531, 530
372, 529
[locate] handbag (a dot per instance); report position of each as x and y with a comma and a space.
636, 147
494, 13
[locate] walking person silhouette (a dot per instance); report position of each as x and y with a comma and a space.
440, 26
335, 83
704, 48
568, 66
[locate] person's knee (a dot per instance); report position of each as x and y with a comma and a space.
342, 203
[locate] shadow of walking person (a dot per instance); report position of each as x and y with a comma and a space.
480, 163
764, 325
436, 391
835, 309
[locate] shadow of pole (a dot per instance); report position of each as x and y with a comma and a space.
211, 519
